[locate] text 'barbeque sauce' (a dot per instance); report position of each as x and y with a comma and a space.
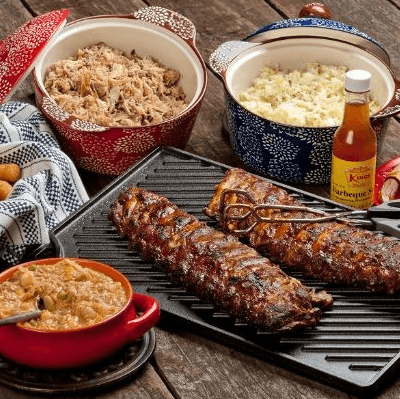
354, 146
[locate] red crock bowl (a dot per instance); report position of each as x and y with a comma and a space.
154, 31
79, 347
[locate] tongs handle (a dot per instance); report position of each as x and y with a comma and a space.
389, 209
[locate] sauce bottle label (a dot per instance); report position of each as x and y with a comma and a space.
352, 183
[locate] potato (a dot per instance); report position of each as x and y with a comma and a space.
10, 172
5, 189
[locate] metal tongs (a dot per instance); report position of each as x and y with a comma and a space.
385, 217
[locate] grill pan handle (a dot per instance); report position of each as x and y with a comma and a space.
389, 209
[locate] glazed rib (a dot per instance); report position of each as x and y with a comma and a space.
333, 251
215, 266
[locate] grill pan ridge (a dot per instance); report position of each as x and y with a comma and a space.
356, 345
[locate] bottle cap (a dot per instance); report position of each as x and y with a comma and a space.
357, 81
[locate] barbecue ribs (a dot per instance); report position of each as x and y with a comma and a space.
215, 266
333, 251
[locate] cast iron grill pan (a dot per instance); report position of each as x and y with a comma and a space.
356, 345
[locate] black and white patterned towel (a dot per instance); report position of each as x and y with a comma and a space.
49, 189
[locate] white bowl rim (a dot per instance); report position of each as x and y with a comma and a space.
254, 47
37, 72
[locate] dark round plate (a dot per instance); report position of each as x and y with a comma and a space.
127, 362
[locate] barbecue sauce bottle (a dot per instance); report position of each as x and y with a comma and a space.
354, 146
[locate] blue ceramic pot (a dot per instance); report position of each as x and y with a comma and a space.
291, 153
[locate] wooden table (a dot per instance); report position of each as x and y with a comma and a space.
186, 364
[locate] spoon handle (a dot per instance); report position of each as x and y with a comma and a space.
20, 317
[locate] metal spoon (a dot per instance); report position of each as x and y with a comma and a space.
25, 315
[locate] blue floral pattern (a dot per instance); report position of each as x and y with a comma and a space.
280, 147
290, 154
315, 22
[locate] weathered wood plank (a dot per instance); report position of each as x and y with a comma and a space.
144, 385
80, 9
215, 21
220, 21
202, 369
209, 139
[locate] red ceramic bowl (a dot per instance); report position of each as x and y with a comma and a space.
155, 31
79, 347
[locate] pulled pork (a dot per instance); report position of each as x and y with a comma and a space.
111, 88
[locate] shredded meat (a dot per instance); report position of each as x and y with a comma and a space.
332, 251
111, 88
216, 266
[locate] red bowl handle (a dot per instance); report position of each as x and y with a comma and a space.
150, 310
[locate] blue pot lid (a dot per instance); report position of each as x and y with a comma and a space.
319, 27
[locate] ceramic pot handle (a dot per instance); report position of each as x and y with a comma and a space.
317, 10
393, 107
311, 10
150, 310
170, 20
225, 53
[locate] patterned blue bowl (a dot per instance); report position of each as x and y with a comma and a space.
284, 152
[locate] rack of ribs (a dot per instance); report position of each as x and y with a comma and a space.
217, 267
333, 251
